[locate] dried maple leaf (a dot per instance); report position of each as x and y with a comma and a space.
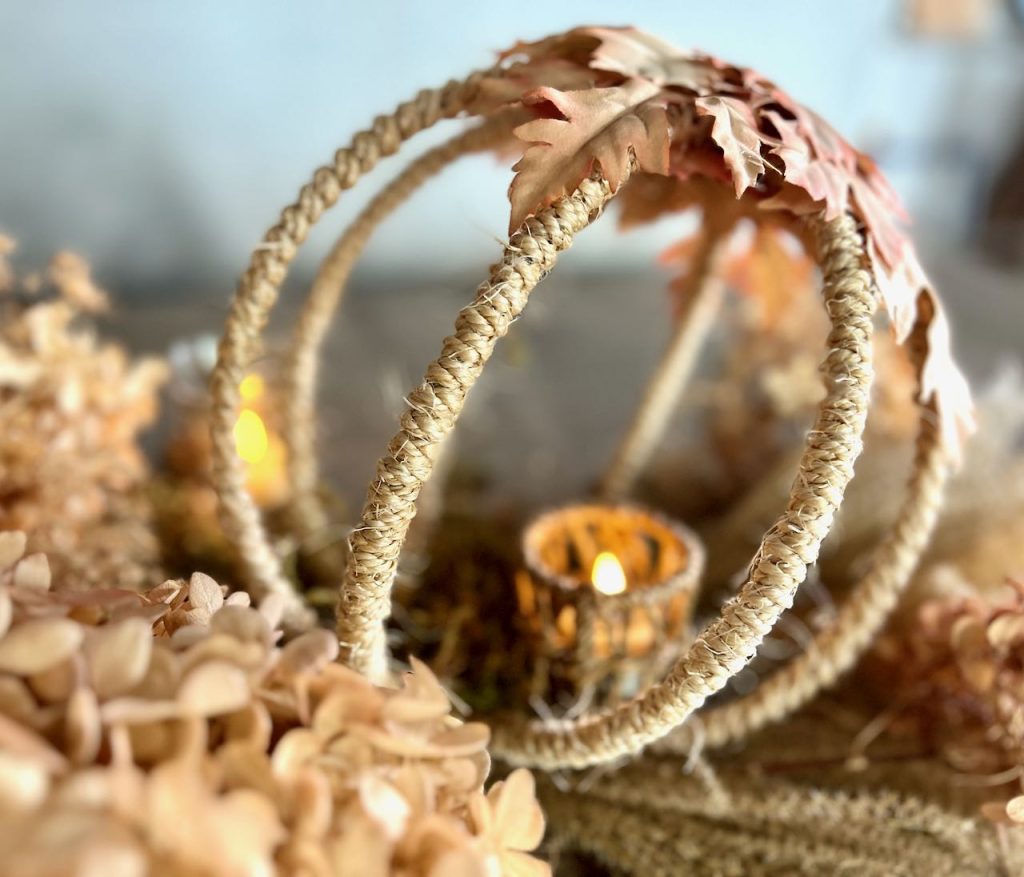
636, 54
735, 131
580, 129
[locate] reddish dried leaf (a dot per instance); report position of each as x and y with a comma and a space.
580, 129
735, 131
636, 54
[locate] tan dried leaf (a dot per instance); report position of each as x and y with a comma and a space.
578, 130
35, 646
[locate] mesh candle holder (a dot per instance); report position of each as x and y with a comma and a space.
606, 596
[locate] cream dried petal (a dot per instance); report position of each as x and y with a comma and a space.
272, 609
1005, 631
1015, 809
450, 743
23, 743
204, 593
421, 698
24, 783
251, 725
35, 646
118, 656
309, 652
12, 547
246, 828
138, 711
385, 805
16, 699
245, 765
238, 598
6, 611
214, 688
33, 572
162, 676
518, 819
242, 623
296, 749
56, 683
224, 647
344, 707
83, 731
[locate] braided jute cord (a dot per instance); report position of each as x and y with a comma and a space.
834, 650
434, 406
308, 516
778, 568
780, 564
255, 296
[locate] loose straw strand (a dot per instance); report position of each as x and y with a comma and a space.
255, 296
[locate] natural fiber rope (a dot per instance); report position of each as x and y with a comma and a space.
256, 294
374, 546
661, 397
779, 566
308, 516
835, 650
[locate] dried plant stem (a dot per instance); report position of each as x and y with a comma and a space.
255, 296
661, 397
309, 518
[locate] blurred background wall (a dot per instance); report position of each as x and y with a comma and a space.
160, 139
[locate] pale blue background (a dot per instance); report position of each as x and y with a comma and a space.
161, 139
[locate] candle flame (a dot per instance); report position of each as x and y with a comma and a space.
608, 576
251, 441
251, 388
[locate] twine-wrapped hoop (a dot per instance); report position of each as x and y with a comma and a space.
846, 255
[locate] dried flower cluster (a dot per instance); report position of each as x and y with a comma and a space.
958, 681
71, 473
168, 732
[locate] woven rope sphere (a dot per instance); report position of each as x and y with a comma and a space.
708, 133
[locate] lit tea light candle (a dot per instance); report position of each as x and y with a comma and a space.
261, 450
607, 592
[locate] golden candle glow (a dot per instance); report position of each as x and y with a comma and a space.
251, 441
607, 574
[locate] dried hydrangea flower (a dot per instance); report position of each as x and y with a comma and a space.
170, 731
